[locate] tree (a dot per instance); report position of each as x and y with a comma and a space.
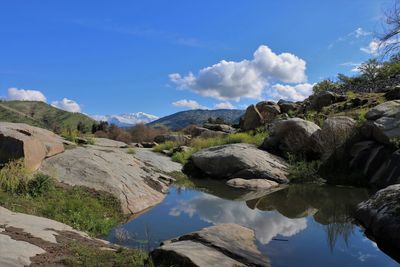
389, 40
370, 69
324, 85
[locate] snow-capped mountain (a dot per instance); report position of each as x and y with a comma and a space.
126, 120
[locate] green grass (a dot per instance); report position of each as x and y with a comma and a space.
131, 151
182, 180
84, 255
165, 146
93, 212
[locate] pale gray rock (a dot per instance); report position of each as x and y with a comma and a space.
109, 143
220, 245
240, 160
134, 183
156, 160
252, 119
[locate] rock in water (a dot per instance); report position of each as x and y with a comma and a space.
240, 160
380, 215
220, 245
19, 140
252, 184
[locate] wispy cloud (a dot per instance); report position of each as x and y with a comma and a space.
357, 34
354, 65
171, 37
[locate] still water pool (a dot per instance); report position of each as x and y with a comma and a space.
301, 225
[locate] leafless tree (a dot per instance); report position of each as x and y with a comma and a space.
389, 40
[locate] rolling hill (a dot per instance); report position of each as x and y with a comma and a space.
42, 115
199, 116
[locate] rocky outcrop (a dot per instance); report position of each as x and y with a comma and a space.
252, 184
384, 122
252, 119
219, 127
221, 245
335, 132
109, 143
292, 135
393, 94
240, 160
27, 239
137, 185
287, 106
19, 140
260, 114
380, 215
323, 99
179, 138
268, 110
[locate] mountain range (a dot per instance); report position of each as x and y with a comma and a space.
126, 120
182, 119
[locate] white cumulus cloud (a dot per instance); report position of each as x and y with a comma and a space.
67, 105
22, 94
231, 80
297, 92
224, 105
192, 104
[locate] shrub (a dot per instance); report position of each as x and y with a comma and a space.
40, 184
301, 170
324, 85
70, 135
14, 177
90, 140
131, 151
144, 133
165, 146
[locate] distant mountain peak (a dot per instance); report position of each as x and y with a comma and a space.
127, 119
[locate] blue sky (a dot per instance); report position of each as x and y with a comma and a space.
113, 57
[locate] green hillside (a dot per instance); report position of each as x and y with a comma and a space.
199, 116
42, 115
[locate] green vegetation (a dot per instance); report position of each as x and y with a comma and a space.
182, 180
85, 255
87, 210
43, 115
324, 85
253, 137
301, 171
131, 151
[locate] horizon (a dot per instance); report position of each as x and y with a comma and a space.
132, 57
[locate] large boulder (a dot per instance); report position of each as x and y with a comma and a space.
240, 161
380, 215
252, 119
287, 106
136, 184
292, 135
268, 110
384, 121
323, 99
19, 140
221, 245
335, 132
393, 94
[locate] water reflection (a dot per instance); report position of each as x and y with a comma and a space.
215, 210
315, 220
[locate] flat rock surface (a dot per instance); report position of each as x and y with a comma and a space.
240, 160
157, 160
18, 252
135, 184
223, 243
109, 143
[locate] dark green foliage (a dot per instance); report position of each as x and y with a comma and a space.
199, 117
39, 185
